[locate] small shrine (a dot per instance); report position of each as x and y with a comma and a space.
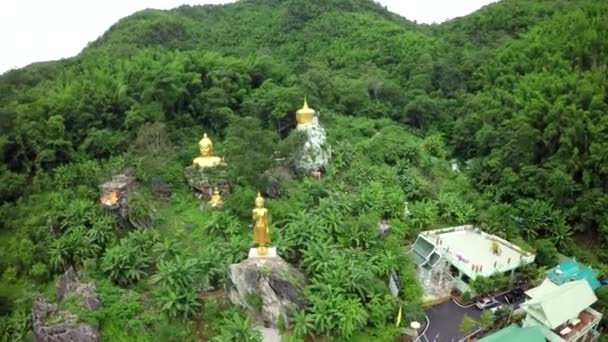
114, 192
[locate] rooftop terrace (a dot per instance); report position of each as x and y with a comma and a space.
477, 253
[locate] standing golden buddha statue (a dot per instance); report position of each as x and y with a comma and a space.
206, 159
261, 233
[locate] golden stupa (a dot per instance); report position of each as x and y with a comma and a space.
305, 114
207, 159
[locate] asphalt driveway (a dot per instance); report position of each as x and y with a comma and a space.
445, 318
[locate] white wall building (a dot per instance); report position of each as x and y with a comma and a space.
464, 253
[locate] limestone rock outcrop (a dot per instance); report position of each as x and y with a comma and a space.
69, 284
274, 178
50, 324
203, 181
316, 152
268, 287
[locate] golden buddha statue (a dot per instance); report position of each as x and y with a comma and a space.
305, 114
216, 199
207, 159
261, 234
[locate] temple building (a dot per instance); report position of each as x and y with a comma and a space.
563, 312
451, 258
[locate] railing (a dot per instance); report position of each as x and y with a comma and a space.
581, 330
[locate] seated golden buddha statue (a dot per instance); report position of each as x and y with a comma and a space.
216, 199
305, 115
207, 159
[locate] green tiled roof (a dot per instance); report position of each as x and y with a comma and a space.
570, 270
516, 333
554, 305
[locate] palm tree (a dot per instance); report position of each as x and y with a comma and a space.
561, 235
351, 316
102, 231
424, 213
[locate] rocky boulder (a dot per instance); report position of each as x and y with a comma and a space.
53, 325
69, 284
274, 178
203, 181
268, 287
160, 187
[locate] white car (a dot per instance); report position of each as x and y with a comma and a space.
499, 307
487, 303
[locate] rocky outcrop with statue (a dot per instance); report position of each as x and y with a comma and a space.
51, 323
203, 181
207, 171
265, 284
268, 287
316, 151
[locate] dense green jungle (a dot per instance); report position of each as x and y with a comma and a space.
497, 119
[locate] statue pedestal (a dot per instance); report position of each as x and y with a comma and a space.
271, 252
277, 285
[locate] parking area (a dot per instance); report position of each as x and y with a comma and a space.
444, 319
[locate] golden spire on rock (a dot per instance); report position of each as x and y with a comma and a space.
305, 114
206, 159
261, 234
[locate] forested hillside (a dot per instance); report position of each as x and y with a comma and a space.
515, 94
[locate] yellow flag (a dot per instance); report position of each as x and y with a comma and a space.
399, 317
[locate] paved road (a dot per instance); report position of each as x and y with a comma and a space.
445, 319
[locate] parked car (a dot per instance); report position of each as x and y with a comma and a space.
500, 307
515, 295
487, 303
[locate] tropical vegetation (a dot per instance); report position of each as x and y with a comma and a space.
496, 119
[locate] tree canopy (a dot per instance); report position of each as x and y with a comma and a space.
496, 119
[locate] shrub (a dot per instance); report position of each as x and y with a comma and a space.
466, 297
10, 275
255, 301
5, 305
234, 326
128, 261
39, 272
546, 253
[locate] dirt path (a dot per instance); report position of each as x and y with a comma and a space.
199, 326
